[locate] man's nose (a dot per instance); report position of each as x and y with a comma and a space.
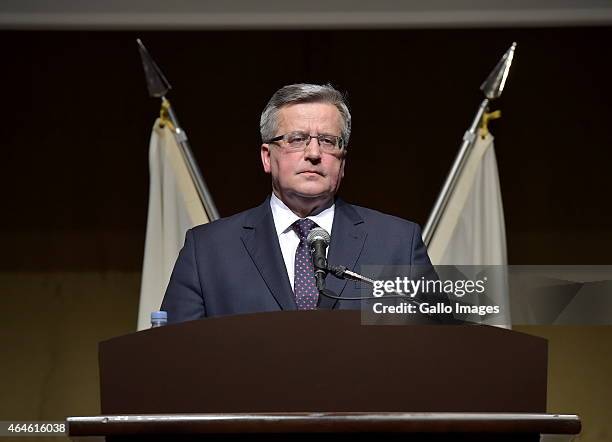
313, 150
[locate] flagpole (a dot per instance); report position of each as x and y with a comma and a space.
449, 184
492, 87
158, 87
192, 166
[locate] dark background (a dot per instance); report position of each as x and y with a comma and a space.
77, 121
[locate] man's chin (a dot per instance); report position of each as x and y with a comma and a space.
312, 194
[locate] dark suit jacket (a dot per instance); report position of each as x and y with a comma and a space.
234, 265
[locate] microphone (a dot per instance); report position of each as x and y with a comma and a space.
318, 240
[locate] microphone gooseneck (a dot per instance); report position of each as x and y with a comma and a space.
318, 241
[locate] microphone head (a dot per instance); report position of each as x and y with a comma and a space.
318, 234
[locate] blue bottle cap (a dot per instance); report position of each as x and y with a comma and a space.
159, 316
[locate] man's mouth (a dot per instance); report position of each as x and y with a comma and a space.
312, 171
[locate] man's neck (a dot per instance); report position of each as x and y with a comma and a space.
304, 207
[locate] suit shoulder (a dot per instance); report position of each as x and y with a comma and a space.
222, 226
385, 220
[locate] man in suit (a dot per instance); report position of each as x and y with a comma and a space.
257, 260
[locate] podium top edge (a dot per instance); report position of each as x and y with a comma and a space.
314, 422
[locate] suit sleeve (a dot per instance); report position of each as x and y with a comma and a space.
184, 300
423, 268
419, 251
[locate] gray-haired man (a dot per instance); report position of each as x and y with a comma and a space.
256, 260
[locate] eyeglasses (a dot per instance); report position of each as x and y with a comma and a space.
296, 141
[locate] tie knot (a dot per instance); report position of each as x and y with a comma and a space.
302, 227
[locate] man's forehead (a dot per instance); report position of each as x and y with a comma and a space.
304, 115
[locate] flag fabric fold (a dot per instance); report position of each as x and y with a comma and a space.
174, 207
472, 230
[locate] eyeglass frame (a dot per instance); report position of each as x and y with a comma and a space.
339, 146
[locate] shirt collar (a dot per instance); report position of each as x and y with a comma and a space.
284, 217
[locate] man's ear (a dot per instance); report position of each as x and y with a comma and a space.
265, 157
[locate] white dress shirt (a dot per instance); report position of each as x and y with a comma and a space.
287, 238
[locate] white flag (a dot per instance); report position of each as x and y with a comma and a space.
174, 207
471, 230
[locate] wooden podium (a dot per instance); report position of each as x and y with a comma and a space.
303, 372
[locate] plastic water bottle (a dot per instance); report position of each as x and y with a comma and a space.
159, 318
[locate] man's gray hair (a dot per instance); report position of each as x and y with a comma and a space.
303, 93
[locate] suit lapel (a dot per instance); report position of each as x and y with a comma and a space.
347, 240
261, 242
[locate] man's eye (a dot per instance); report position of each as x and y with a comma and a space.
298, 138
329, 141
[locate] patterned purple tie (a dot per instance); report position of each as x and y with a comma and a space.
304, 287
